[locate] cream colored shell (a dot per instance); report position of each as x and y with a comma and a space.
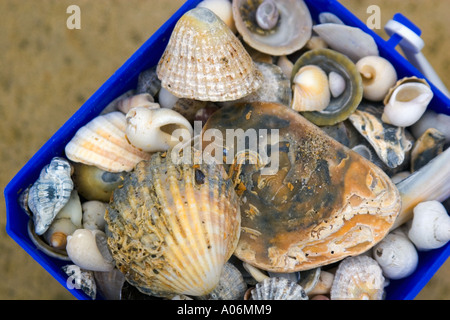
205, 61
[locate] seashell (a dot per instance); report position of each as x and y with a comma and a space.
173, 226
426, 148
291, 32
94, 215
431, 119
276, 87
320, 297
407, 104
310, 88
204, 60
323, 286
292, 276
267, 15
401, 81
167, 99
336, 83
23, 201
309, 279
222, 8
231, 285
148, 82
130, 292
311, 204
153, 130
286, 65
93, 183
43, 246
81, 279
342, 106
378, 76
114, 105
88, 250
138, 100
389, 142
110, 284
396, 255
102, 143
328, 17
50, 193
396, 178
203, 114
72, 210
431, 182
315, 42
358, 278
277, 288
257, 274
430, 227
350, 41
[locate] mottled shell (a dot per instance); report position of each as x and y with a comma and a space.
231, 285
430, 144
358, 278
102, 143
172, 227
389, 142
316, 201
50, 192
81, 279
342, 106
148, 82
278, 288
290, 34
204, 60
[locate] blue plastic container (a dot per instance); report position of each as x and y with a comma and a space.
125, 78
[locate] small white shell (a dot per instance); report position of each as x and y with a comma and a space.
378, 76
430, 227
88, 250
407, 104
222, 8
56, 234
167, 99
324, 285
94, 215
138, 100
396, 255
72, 210
358, 278
154, 130
311, 89
337, 84
286, 65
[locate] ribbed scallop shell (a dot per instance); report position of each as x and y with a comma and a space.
102, 143
311, 89
205, 61
278, 288
172, 227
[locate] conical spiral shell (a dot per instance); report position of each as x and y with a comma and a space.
172, 227
102, 143
205, 61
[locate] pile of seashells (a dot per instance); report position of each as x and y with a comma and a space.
358, 191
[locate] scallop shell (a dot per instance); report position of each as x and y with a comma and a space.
311, 89
346, 103
277, 288
231, 285
173, 226
389, 142
102, 143
320, 203
290, 34
358, 278
50, 193
204, 60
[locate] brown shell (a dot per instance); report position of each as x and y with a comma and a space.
172, 226
324, 203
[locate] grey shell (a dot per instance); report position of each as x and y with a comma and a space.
278, 288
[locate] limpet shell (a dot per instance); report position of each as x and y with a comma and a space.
231, 285
102, 143
278, 288
311, 204
204, 60
346, 103
50, 193
173, 225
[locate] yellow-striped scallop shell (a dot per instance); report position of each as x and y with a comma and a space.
102, 143
172, 227
204, 60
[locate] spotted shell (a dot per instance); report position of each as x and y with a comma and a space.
278, 288
173, 226
358, 278
50, 192
204, 60
102, 143
312, 202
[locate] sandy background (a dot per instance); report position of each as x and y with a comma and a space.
47, 72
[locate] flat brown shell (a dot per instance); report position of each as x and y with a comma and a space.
324, 203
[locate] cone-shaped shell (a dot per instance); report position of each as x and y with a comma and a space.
313, 201
102, 143
172, 227
205, 61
